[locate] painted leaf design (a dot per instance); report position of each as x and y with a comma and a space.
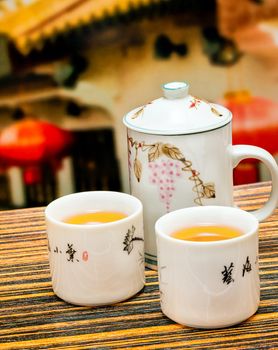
129, 248
215, 111
138, 113
172, 152
137, 169
128, 245
209, 190
129, 239
154, 152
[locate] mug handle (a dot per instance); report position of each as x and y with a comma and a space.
240, 152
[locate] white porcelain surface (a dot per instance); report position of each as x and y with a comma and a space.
208, 284
180, 155
177, 113
185, 189
96, 264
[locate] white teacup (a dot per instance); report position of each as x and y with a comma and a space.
208, 284
96, 264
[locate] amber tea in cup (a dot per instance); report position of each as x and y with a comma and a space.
206, 233
96, 247
208, 284
94, 217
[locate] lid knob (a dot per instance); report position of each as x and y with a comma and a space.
175, 89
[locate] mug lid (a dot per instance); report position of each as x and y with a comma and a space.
177, 113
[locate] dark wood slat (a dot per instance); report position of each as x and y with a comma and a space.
32, 317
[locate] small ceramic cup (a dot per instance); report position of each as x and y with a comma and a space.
96, 264
208, 284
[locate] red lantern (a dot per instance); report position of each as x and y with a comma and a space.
30, 142
255, 120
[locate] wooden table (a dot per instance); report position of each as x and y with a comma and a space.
32, 317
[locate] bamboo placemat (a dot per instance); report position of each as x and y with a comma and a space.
32, 317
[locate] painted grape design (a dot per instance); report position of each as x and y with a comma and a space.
163, 174
155, 151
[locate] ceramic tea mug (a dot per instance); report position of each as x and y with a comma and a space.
96, 264
181, 155
208, 284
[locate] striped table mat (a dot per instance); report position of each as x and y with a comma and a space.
32, 317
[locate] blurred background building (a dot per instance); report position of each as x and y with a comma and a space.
70, 70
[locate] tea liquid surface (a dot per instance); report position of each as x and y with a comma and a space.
206, 233
95, 217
